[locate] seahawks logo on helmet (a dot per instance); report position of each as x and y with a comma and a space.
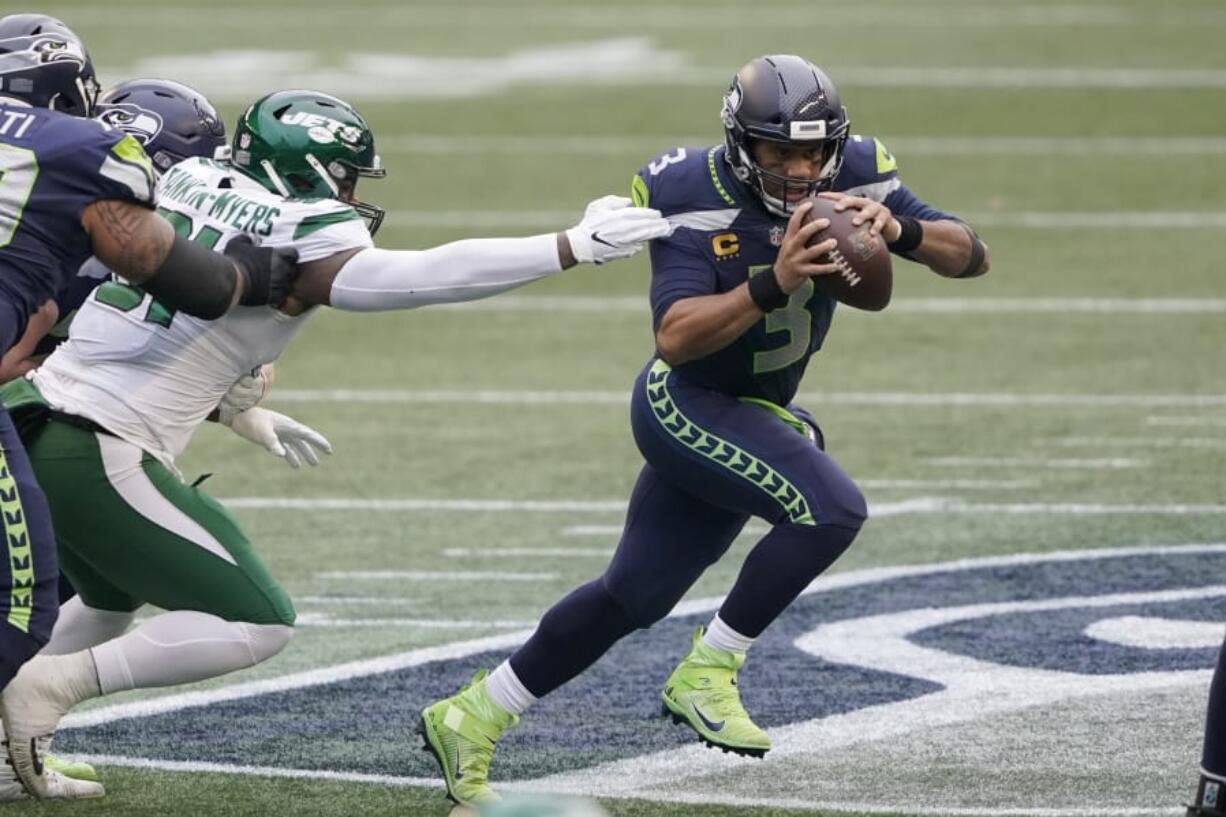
56, 49
140, 123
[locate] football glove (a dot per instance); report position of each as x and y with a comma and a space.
246, 393
283, 436
613, 228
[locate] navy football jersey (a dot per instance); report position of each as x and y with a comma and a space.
724, 235
52, 166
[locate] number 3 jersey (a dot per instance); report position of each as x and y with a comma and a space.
53, 166
724, 235
150, 375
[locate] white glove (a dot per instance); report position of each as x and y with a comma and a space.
246, 393
613, 228
283, 436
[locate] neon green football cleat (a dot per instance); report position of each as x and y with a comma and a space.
460, 732
702, 694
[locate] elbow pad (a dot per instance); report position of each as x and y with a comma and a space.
194, 280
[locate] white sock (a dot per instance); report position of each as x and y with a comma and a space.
508, 691
184, 646
722, 637
80, 627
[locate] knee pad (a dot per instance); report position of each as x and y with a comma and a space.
266, 640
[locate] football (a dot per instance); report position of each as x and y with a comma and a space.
865, 278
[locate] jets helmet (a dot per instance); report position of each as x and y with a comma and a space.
170, 120
788, 100
306, 144
43, 63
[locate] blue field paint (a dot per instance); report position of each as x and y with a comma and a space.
368, 724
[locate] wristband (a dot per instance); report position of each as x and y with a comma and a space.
910, 235
765, 291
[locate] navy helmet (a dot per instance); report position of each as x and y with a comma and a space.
170, 120
43, 63
789, 100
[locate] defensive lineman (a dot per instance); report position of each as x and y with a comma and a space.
71, 187
113, 407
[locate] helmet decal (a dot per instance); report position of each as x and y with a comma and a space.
142, 124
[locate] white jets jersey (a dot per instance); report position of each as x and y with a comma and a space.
151, 376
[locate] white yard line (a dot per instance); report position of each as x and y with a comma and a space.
327, 621
516, 553
434, 576
1103, 463
1022, 220
1141, 442
638, 305
596, 398
644, 146
202, 767
1192, 422
376, 601
492, 505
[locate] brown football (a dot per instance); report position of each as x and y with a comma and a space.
865, 278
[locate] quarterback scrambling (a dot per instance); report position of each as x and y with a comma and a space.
737, 318
111, 409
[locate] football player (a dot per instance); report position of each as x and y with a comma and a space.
171, 122
71, 187
109, 411
737, 317
1211, 792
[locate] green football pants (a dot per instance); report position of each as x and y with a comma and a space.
130, 532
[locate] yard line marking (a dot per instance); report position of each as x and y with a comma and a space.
203, 767
948, 484
643, 146
508, 553
1021, 220
494, 505
259, 771
1085, 509
1163, 420
1139, 442
174, 702
622, 398
1104, 463
324, 620
637, 305
1150, 633
593, 530
385, 601
435, 575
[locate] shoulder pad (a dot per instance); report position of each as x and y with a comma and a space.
869, 169
682, 180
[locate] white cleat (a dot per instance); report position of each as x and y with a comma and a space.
31, 707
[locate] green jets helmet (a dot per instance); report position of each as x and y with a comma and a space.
308, 145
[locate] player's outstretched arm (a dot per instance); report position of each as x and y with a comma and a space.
698, 326
372, 279
141, 246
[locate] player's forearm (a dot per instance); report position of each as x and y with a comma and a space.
696, 327
376, 280
950, 249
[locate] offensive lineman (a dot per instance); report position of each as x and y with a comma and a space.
71, 187
736, 317
111, 409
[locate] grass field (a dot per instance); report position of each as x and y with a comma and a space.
1073, 400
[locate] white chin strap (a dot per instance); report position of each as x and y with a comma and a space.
318, 167
274, 178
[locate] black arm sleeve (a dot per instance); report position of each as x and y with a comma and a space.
194, 280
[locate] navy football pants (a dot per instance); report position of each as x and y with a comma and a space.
712, 462
29, 577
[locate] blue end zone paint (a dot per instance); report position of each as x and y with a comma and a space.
368, 724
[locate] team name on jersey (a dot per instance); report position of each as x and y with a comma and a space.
227, 206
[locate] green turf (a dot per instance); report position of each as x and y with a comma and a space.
584, 452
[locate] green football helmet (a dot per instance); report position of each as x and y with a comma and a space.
308, 145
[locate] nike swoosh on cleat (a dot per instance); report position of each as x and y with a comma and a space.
597, 239
714, 727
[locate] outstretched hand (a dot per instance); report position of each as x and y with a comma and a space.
612, 228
